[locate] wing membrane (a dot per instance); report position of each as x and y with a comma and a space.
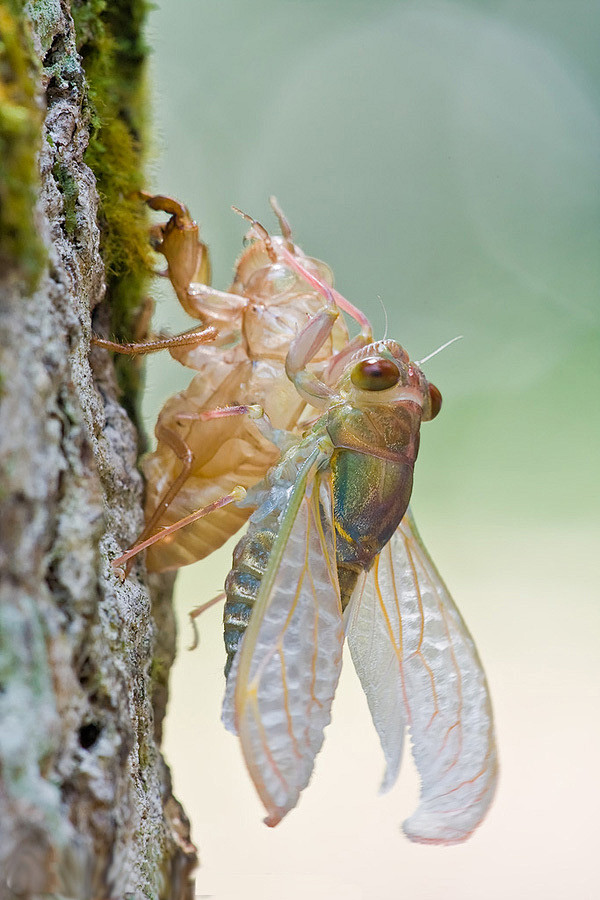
375, 643
285, 673
419, 667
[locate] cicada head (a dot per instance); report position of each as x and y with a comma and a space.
382, 373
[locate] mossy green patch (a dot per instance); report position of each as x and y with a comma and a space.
70, 191
21, 249
159, 670
110, 40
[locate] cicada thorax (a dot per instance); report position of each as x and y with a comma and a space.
275, 304
375, 435
372, 468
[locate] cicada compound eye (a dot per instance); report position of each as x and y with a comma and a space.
375, 374
435, 401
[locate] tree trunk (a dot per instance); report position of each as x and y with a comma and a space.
86, 809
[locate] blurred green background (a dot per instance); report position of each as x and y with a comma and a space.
443, 158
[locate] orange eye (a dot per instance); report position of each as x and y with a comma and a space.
435, 400
375, 374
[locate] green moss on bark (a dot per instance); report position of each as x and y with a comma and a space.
21, 249
109, 35
70, 191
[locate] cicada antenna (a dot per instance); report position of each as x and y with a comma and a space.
385, 316
425, 359
261, 232
284, 225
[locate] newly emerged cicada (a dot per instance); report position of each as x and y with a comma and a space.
332, 551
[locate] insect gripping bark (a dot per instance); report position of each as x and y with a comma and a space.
331, 550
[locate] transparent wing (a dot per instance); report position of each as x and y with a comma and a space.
375, 645
419, 668
284, 675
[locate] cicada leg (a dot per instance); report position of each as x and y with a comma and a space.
179, 242
302, 350
278, 436
188, 265
170, 205
184, 453
260, 231
188, 268
138, 348
238, 493
306, 345
197, 612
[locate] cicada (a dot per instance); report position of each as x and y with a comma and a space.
332, 550
202, 455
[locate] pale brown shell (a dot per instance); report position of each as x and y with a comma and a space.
231, 451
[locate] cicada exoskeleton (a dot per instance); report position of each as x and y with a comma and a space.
201, 457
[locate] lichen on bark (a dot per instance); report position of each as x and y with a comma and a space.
86, 809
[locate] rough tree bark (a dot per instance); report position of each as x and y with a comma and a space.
86, 809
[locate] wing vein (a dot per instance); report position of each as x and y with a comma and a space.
419, 652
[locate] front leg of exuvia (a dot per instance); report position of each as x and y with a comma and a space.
187, 262
178, 240
188, 265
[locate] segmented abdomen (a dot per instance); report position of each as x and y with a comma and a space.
250, 559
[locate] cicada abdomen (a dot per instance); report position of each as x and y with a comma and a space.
250, 560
